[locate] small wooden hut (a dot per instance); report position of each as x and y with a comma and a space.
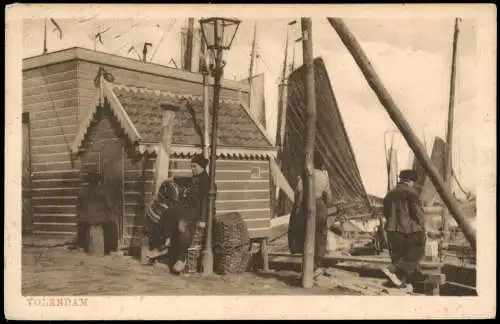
121, 136
85, 110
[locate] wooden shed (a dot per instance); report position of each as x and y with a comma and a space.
106, 113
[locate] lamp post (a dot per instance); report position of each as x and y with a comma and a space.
218, 34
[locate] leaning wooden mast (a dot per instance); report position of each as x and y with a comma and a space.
398, 118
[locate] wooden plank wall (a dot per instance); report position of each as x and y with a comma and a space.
27, 211
138, 192
136, 172
87, 71
242, 186
50, 98
57, 97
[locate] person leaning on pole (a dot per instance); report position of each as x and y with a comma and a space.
323, 198
406, 234
190, 214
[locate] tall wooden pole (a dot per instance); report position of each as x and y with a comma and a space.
448, 165
389, 159
252, 61
308, 256
252, 53
280, 134
397, 117
145, 51
45, 36
281, 117
189, 45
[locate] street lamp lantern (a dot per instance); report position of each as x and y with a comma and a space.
218, 34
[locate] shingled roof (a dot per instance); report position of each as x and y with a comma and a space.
140, 113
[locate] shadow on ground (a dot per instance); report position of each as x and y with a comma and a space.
292, 279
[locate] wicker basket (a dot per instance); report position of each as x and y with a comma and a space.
231, 244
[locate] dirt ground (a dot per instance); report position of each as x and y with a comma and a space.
50, 268
59, 271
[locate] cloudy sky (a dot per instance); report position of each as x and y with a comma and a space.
412, 57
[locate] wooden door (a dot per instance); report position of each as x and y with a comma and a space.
112, 173
27, 212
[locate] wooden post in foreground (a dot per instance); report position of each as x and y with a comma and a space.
397, 117
308, 256
96, 240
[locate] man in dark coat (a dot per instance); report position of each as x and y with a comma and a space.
405, 227
191, 214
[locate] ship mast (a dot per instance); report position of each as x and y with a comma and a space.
252, 61
282, 103
188, 52
448, 166
252, 54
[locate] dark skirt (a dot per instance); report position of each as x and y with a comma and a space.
321, 237
297, 229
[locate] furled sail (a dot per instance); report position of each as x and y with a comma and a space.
332, 141
428, 192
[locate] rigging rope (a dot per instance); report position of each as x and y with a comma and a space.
261, 57
466, 193
165, 32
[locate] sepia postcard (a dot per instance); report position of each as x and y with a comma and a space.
247, 161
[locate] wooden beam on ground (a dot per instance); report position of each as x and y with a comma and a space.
295, 258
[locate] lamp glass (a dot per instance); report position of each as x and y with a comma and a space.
219, 33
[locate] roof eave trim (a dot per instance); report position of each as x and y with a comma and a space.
257, 123
233, 152
85, 123
120, 112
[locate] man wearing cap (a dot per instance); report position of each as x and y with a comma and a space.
405, 227
192, 215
